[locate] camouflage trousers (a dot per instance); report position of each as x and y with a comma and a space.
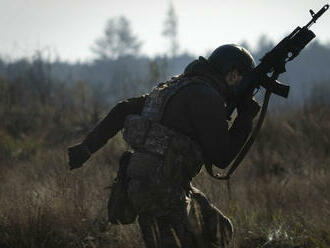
172, 214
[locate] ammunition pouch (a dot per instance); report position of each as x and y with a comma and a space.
120, 209
181, 156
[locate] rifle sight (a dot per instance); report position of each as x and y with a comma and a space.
317, 15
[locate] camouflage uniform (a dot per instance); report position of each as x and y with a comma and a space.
186, 127
170, 214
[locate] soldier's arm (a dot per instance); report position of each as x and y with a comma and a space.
207, 111
113, 122
105, 130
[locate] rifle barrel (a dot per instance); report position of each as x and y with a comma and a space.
317, 15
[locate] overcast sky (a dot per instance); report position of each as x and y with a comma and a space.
68, 28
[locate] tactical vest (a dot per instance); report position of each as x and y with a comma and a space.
180, 155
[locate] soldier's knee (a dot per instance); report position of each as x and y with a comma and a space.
220, 227
217, 228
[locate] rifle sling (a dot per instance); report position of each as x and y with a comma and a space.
245, 149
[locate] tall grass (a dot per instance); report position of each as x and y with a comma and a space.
279, 197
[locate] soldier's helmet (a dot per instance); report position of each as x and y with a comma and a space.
230, 56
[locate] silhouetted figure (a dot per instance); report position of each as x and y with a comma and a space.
175, 129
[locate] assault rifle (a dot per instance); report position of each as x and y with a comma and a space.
273, 62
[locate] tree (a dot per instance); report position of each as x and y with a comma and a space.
117, 40
171, 30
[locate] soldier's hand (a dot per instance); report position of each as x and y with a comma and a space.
78, 155
248, 108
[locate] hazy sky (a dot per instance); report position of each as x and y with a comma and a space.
68, 28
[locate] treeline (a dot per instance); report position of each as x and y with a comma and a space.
117, 78
53, 98
48, 102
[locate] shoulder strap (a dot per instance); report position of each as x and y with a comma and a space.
241, 155
158, 98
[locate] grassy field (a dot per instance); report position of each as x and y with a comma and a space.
279, 197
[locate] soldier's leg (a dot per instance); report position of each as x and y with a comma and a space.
162, 216
216, 228
161, 205
166, 231
149, 230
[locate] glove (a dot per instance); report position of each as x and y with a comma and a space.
78, 155
248, 108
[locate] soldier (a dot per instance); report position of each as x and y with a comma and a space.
175, 129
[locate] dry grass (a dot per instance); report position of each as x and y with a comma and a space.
279, 197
